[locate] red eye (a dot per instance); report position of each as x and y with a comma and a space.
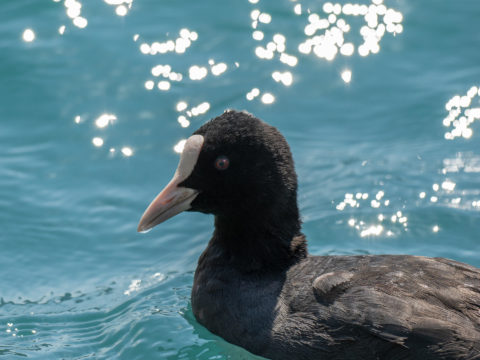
222, 163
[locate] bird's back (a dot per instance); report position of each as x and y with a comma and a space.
386, 307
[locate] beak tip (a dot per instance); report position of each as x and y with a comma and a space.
143, 229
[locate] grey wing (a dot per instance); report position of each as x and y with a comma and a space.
405, 305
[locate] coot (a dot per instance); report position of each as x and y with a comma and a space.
256, 285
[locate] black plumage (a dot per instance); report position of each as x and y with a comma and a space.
256, 285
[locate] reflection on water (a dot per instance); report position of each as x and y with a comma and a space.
466, 195
105, 119
102, 123
137, 284
462, 162
385, 220
326, 36
163, 85
28, 35
197, 72
328, 32
149, 84
73, 9
178, 148
285, 78
252, 94
347, 76
127, 151
378, 18
217, 69
179, 45
268, 98
71, 204
462, 113
182, 107
97, 141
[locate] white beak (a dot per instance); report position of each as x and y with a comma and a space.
174, 199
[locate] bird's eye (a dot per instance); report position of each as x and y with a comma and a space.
222, 163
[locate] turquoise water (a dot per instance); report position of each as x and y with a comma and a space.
383, 124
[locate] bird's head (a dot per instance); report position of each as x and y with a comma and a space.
235, 166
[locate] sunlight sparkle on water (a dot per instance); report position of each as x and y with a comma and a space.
121, 6
364, 229
181, 106
297, 9
183, 121
373, 230
163, 85
200, 109
28, 35
467, 163
463, 111
277, 45
286, 78
178, 148
448, 185
252, 94
257, 35
265, 18
149, 84
219, 68
346, 76
97, 141
268, 98
163, 70
127, 151
326, 31
104, 120
73, 9
178, 45
197, 72
80, 22
290, 60
347, 49
121, 10
134, 286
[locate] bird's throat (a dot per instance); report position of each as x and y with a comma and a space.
259, 244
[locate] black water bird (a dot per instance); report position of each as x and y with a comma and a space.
257, 287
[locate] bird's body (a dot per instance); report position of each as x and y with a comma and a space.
257, 287
345, 307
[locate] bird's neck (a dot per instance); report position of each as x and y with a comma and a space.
256, 242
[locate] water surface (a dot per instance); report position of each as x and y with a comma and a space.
379, 104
